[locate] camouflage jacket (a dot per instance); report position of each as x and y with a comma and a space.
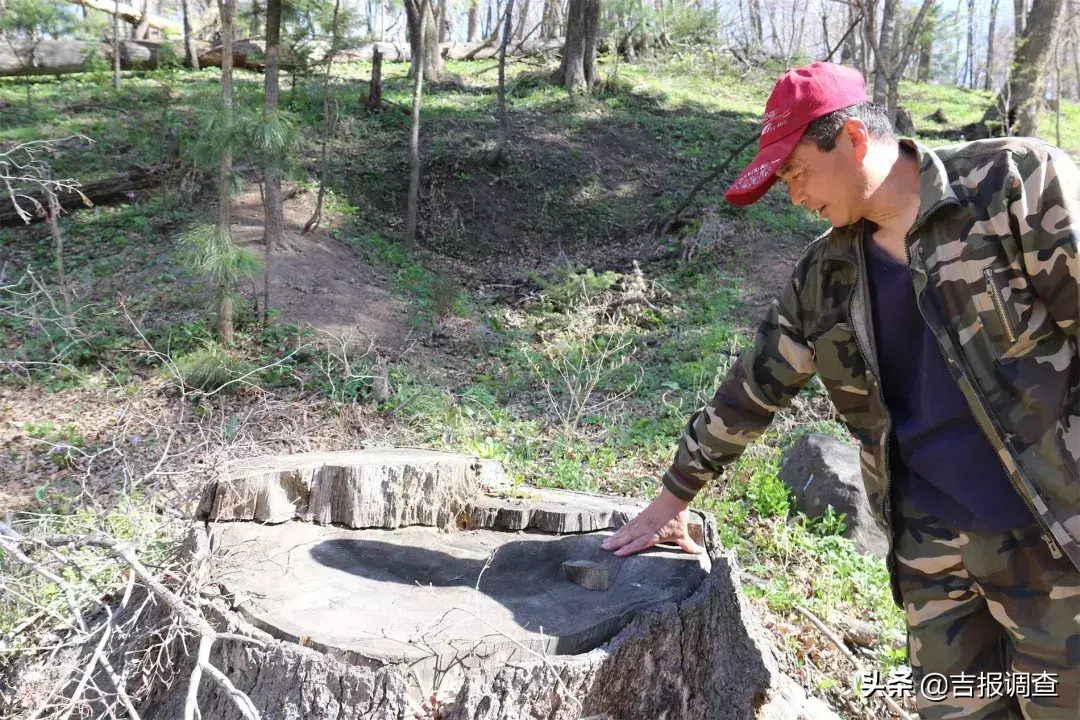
995, 263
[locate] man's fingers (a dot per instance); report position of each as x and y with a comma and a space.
688, 545
639, 544
622, 536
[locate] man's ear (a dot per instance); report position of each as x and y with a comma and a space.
855, 131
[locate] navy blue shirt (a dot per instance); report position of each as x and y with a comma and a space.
944, 462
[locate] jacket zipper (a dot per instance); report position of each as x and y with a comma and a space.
1047, 536
887, 489
999, 306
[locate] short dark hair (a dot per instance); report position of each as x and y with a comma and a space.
824, 131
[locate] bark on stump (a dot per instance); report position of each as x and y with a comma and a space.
374, 99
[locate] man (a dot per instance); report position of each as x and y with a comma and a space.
941, 314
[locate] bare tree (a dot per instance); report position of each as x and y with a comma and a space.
316, 216
578, 67
989, 78
191, 52
883, 52
274, 214
926, 48
227, 9
116, 46
142, 29
523, 19
474, 17
504, 122
890, 62
442, 20
1020, 8
1028, 69
414, 133
754, 9
970, 62
552, 23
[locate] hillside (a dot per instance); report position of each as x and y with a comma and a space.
543, 322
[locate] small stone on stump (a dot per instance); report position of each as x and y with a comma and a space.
588, 574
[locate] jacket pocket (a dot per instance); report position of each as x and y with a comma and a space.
1016, 320
1008, 326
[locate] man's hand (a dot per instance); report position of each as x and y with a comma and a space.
664, 521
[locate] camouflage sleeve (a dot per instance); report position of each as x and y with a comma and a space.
1044, 214
763, 381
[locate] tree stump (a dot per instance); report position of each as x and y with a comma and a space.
374, 99
480, 610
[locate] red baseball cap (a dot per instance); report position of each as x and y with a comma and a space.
799, 97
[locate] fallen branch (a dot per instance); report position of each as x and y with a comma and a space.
824, 630
13, 543
109, 191
713, 174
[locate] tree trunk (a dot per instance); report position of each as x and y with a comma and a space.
58, 241
116, 46
369, 18
274, 214
191, 52
423, 31
1021, 103
504, 122
988, 82
1020, 21
579, 53
474, 17
128, 14
523, 19
549, 28
969, 63
225, 320
316, 217
112, 190
414, 136
926, 53
883, 53
754, 8
142, 30
374, 100
441, 20
1076, 67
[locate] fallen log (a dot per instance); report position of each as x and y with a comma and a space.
109, 191
58, 57
130, 14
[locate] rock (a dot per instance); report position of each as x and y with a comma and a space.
822, 471
904, 126
938, 116
484, 337
358, 489
588, 574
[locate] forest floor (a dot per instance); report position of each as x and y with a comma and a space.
524, 290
